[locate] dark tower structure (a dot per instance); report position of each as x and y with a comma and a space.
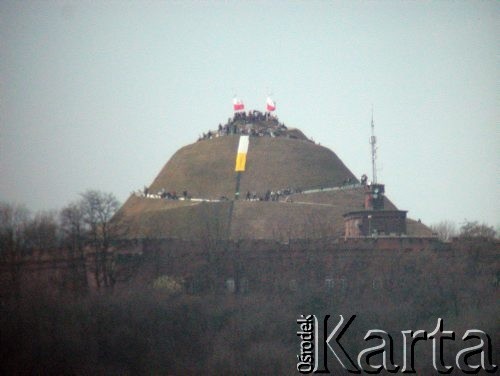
374, 197
374, 220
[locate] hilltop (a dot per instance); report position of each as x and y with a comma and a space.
312, 176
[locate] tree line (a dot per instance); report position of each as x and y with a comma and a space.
155, 325
83, 224
447, 230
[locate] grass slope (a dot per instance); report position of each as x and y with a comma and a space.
206, 168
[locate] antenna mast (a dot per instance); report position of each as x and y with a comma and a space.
373, 143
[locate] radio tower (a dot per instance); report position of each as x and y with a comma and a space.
373, 143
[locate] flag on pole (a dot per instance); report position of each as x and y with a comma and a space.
238, 105
270, 105
241, 156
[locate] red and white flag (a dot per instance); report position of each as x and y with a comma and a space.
238, 105
270, 105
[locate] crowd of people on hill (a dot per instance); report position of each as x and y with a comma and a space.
254, 123
163, 194
271, 195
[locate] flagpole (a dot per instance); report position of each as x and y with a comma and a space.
237, 190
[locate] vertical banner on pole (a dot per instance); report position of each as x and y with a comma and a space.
241, 160
241, 156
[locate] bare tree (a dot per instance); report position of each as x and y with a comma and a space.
445, 230
97, 209
13, 221
42, 233
474, 229
73, 232
72, 226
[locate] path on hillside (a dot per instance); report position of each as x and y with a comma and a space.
308, 191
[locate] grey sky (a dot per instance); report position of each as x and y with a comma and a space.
101, 94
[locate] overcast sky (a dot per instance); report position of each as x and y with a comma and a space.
101, 94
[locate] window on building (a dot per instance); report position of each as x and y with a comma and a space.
343, 284
243, 285
230, 285
329, 283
